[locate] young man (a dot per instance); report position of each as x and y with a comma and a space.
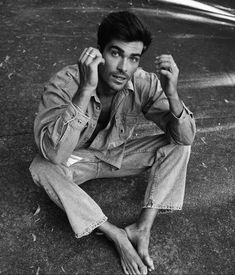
86, 118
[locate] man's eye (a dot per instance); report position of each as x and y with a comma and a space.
134, 59
115, 53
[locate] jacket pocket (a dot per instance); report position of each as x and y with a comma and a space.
127, 125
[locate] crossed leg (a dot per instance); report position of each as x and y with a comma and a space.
167, 164
82, 210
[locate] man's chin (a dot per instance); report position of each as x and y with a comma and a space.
117, 87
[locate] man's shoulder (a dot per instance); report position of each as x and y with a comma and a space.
143, 80
140, 73
67, 72
64, 83
142, 76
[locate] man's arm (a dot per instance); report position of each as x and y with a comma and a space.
169, 73
182, 128
165, 108
59, 123
61, 117
88, 68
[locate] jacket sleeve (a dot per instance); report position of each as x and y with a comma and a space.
59, 123
180, 130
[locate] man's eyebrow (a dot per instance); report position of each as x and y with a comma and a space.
121, 50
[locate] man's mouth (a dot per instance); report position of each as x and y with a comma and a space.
119, 78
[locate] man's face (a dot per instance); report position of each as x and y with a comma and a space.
121, 61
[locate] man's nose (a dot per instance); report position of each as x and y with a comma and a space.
122, 65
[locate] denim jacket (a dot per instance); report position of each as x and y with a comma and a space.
61, 128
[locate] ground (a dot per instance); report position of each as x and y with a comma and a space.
40, 37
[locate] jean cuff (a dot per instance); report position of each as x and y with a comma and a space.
91, 227
163, 208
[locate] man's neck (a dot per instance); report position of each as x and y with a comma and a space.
103, 90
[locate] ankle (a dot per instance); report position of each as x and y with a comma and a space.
146, 219
112, 232
143, 228
140, 227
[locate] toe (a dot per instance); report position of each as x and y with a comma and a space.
149, 262
133, 270
124, 268
143, 270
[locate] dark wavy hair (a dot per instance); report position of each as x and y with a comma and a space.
124, 26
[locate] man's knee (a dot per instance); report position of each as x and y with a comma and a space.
175, 151
41, 168
182, 155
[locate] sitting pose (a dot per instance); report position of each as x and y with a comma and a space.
84, 126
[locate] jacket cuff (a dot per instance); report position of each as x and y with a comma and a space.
184, 115
73, 113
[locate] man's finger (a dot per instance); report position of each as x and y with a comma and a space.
163, 64
87, 56
166, 73
98, 60
164, 57
166, 65
82, 54
90, 55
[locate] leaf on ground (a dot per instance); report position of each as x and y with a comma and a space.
37, 272
7, 58
203, 140
34, 237
10, 75
204, 165
37, 211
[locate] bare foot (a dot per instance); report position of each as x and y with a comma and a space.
130, 260
140, 239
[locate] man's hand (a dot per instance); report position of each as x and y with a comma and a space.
88, 67
169, 72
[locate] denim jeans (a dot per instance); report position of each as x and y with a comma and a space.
167, 165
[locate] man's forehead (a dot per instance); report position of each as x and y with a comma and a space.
134, 47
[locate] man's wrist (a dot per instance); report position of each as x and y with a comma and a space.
86, 92
173, 96
176, 106
82, 98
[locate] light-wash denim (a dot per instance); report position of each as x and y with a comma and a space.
166, 162
70, 152
60, 127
